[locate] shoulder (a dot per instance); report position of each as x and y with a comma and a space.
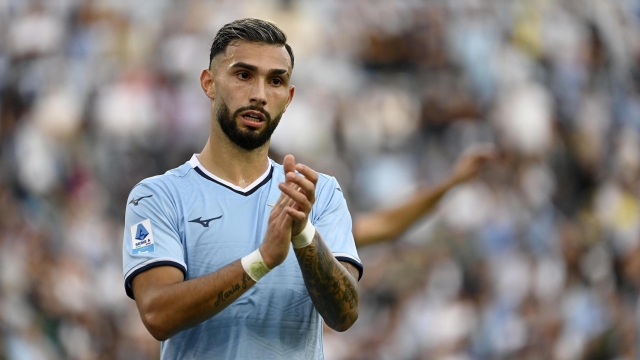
328, 191
327, 180
165, 184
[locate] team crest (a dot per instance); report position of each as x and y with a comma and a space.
142, 237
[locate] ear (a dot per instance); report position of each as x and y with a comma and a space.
292, 90
207, 82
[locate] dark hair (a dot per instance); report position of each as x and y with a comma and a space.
252, 30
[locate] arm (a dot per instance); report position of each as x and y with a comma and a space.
168, 304
331, 284
388, 224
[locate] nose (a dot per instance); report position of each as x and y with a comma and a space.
258, 94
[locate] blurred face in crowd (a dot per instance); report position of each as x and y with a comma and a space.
249, 86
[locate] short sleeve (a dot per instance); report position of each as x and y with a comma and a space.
151, 236
332, 220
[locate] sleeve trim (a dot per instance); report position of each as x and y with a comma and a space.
148, 265
352, 260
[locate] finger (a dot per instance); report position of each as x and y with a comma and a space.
297, 198
289, 164
294, 186
300, 199
290, 203
278, 208
287, 201
280, 217
280, 204
285, 221
296, 214
308, 173
306, 186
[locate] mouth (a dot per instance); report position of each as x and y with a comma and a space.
252, 117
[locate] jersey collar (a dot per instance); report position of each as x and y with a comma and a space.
263, 179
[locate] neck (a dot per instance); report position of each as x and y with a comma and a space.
232, 163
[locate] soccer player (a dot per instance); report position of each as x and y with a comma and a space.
231, 255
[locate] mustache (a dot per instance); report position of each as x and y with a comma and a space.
264, 112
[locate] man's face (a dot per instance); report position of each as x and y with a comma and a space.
250, 138
252, 91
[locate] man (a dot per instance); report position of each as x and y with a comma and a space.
232, 256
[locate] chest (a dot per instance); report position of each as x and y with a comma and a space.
219, 227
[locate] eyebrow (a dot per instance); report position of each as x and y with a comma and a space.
254, 68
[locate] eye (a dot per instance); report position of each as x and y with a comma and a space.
276, 81
243, 75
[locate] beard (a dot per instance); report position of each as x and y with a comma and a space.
247, 139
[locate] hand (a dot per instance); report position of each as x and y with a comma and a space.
301, 189
472, 160
275, 246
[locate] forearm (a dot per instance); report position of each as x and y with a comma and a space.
390, 223
333, 290
170, 308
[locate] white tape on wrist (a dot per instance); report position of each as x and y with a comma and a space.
254, 265
305, 237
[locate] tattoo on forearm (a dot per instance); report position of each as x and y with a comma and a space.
331, 287
349, 297
308, 260
224, 295
245, 277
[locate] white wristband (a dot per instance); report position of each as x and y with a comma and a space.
254, 265
305, 237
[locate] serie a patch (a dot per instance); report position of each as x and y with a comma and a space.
142, 237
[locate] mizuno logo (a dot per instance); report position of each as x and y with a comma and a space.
205, 222
135, 201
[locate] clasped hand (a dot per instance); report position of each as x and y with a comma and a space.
290, 213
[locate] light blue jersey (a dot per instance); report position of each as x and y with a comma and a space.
199, 223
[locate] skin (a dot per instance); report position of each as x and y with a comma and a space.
387, 224
250, 74
332, 284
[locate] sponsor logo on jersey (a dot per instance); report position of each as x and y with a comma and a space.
136, 201
204, 222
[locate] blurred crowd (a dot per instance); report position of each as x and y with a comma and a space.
538, 258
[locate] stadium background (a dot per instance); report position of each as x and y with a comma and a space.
538, 258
